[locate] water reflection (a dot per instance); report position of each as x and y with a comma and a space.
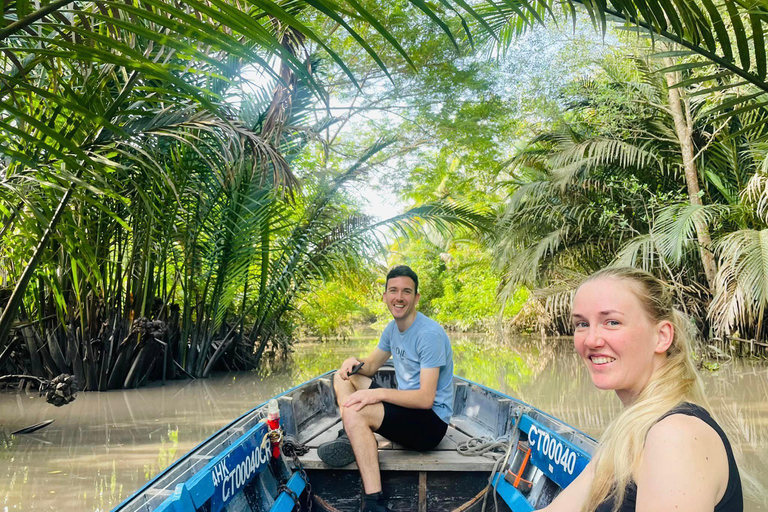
105, 445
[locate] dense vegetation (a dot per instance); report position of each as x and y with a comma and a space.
177, 187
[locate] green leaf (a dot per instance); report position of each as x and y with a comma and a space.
758, 40
740, 34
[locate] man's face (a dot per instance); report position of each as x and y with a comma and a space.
400, 297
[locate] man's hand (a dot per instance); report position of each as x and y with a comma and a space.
363, 397
346, 367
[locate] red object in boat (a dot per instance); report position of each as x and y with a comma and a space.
273, 422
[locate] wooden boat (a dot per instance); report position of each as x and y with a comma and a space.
234, 470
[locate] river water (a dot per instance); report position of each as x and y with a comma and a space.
103, 446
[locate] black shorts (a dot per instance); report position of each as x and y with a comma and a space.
415, 429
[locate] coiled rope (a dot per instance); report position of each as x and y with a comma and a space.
497, 449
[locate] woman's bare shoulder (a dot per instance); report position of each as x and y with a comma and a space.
684, 433
684, 466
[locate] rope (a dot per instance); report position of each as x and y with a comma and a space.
498, 449
292, 446
483, 446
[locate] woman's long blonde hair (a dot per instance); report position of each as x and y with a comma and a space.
676, 381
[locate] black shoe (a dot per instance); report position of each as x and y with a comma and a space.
375, 502
337, 453
376, 508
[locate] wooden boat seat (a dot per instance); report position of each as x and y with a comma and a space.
393, 457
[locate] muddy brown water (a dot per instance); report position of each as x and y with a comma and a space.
104, 446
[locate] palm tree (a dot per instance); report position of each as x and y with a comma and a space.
171, 215
590, 198
717, 48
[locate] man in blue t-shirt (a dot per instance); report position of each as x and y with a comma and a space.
415, 415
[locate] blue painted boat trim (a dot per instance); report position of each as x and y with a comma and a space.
179, 501
555, 456
284, 502
222, 429
513, 498
230, 471
224, 476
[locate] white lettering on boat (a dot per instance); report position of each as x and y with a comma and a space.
218, 472
551, 448
234, 480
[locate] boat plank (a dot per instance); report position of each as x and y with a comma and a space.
323, 424
470, 427
330, 434
451, 440
333, 432
407, 460
422, 491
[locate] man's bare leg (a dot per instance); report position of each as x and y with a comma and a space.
344, 388
360, 426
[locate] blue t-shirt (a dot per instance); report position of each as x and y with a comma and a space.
423, 345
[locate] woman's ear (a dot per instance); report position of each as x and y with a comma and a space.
665, 333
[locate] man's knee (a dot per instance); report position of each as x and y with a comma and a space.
341, 385
337, 381
353, 419
352, 384
369, 416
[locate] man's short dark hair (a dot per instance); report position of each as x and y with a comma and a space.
403, 271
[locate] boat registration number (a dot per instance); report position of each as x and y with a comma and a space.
233, 472
230, 471
559, 459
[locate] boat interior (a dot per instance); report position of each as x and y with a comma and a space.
439, 480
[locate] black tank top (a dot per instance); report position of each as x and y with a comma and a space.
732, 500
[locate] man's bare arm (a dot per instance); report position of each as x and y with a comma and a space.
372, 363
422, 398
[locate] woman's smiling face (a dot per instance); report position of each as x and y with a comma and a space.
616, 337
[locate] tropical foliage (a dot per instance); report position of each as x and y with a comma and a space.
593, 194
175, 176
150, 218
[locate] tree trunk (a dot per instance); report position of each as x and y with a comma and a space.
681, 114
9, 313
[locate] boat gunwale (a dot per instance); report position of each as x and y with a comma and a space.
194, 450
521, 402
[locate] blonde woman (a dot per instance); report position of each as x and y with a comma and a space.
663, 452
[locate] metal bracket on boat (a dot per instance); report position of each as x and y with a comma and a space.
518, 412
275, 436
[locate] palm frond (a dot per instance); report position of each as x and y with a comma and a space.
756, 192
728, 38
640, 252
675, 228
742, 281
